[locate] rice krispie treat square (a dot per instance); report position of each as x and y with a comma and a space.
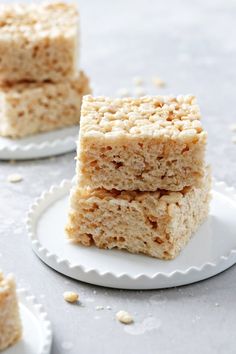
144, 144
158, 224
38, 42
29, 108
10, 324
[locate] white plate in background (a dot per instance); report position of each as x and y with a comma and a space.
39, 145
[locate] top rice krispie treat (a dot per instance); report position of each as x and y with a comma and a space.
144, 144
38, 42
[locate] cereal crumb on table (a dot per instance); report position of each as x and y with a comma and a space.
138, 80
233, 127
234, 139
158, 82
98, 308
139, 92
71, 296
14, 178
124, 317
123, 92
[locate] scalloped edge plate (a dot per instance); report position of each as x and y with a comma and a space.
37, 330
39, 145
209, 252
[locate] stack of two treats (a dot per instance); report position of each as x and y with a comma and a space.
41, 87
142, 184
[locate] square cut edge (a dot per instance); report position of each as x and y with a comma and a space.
10, 323
158, 224
27, 109
38, 42
148, 143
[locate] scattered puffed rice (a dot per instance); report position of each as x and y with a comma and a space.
98, 308
217, 304
234, 139
139, 92
138, 81
108, 307
232, 127
124, 317
123, 92
71, 296
14, 178
158, 82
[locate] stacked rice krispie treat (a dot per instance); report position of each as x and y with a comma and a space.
41, 87
10, 324
142, 184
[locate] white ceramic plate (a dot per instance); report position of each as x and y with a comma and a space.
37, 333
210, 251
40, 145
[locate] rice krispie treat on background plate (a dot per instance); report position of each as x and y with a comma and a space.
158, 224
29, 108
38, 42
144, 144
10, 324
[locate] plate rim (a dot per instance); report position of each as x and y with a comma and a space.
45, 148
28, 300
54, 261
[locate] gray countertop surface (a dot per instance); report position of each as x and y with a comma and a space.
191, 46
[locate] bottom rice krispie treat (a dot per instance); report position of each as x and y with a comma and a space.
158, 224
29, 108
10, 325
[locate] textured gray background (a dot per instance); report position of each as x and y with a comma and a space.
191, 45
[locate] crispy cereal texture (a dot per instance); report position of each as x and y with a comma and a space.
27, 109
144, 144
38, 42
158, 224
10, 324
